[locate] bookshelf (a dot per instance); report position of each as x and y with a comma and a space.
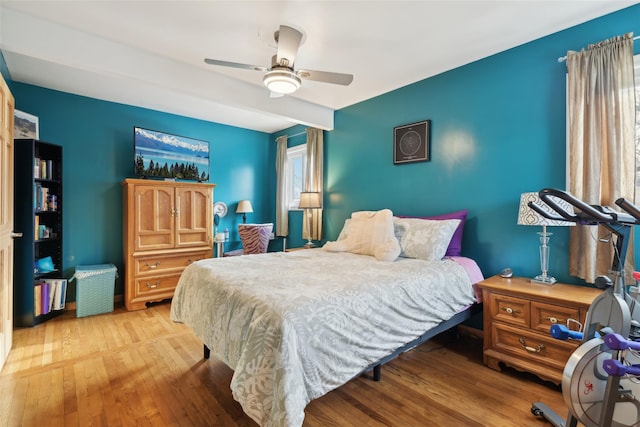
38, 216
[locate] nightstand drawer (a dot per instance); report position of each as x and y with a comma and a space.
544, 350
509, 309
543, 316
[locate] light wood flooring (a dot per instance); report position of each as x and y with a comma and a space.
141, 369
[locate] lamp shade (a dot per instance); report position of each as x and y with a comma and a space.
527, 216
310, 200
244, 206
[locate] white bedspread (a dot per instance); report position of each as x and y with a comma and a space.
296, 325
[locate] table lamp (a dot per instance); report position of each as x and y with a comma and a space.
309, 200
244, 207
527, 216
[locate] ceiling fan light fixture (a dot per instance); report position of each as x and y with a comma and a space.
281, 81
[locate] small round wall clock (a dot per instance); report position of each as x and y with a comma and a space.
220, 209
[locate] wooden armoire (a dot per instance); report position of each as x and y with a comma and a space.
167, 225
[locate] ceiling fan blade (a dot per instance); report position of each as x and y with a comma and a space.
288, 43
235, 65
326, 77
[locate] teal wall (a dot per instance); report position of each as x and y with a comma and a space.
97, 141
4, 70
498, 129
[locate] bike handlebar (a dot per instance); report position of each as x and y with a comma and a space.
586, 214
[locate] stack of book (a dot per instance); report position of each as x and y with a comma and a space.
40, 197
42, 169
49, 295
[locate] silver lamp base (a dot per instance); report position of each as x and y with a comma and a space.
546, 280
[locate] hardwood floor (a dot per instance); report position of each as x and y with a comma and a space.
141, 369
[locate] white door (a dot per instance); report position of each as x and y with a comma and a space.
6, 220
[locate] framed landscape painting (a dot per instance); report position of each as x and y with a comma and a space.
163, 155
25, 125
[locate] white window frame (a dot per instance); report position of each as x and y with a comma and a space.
299, 152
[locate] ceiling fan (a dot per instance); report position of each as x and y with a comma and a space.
282, 78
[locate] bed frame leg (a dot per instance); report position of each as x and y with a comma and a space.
377, 372
207, 352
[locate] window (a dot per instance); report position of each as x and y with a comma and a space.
295, 172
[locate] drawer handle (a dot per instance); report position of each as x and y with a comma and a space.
530, 349
510, 310
554, 320
155, 285
152, 266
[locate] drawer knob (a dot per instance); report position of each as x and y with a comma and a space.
553, 319
152, 266
153, 286
530, 349
510, 310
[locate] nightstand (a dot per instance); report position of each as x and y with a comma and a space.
518, 315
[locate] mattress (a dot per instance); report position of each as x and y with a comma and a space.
294, 326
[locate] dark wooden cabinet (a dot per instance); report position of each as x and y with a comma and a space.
38, 210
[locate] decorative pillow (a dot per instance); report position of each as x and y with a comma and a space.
424, 238
345, 230
368, 233
455, 246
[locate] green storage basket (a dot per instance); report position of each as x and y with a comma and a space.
94, 288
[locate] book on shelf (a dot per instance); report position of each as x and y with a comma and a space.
44, 298
37, 299
59, 294
36, 167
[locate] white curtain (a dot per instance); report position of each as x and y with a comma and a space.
314, 180
282, 210
601, 114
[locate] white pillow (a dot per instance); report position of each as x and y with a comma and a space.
345, 230
368, 233
424, 238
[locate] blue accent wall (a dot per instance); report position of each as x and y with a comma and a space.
97, 141
498, 129
4, 70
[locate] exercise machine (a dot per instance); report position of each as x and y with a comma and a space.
600, 381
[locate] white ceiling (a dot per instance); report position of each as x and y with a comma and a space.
151, 53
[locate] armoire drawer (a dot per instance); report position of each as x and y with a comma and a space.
156, 284
155, 264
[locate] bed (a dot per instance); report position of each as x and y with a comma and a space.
294, 326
